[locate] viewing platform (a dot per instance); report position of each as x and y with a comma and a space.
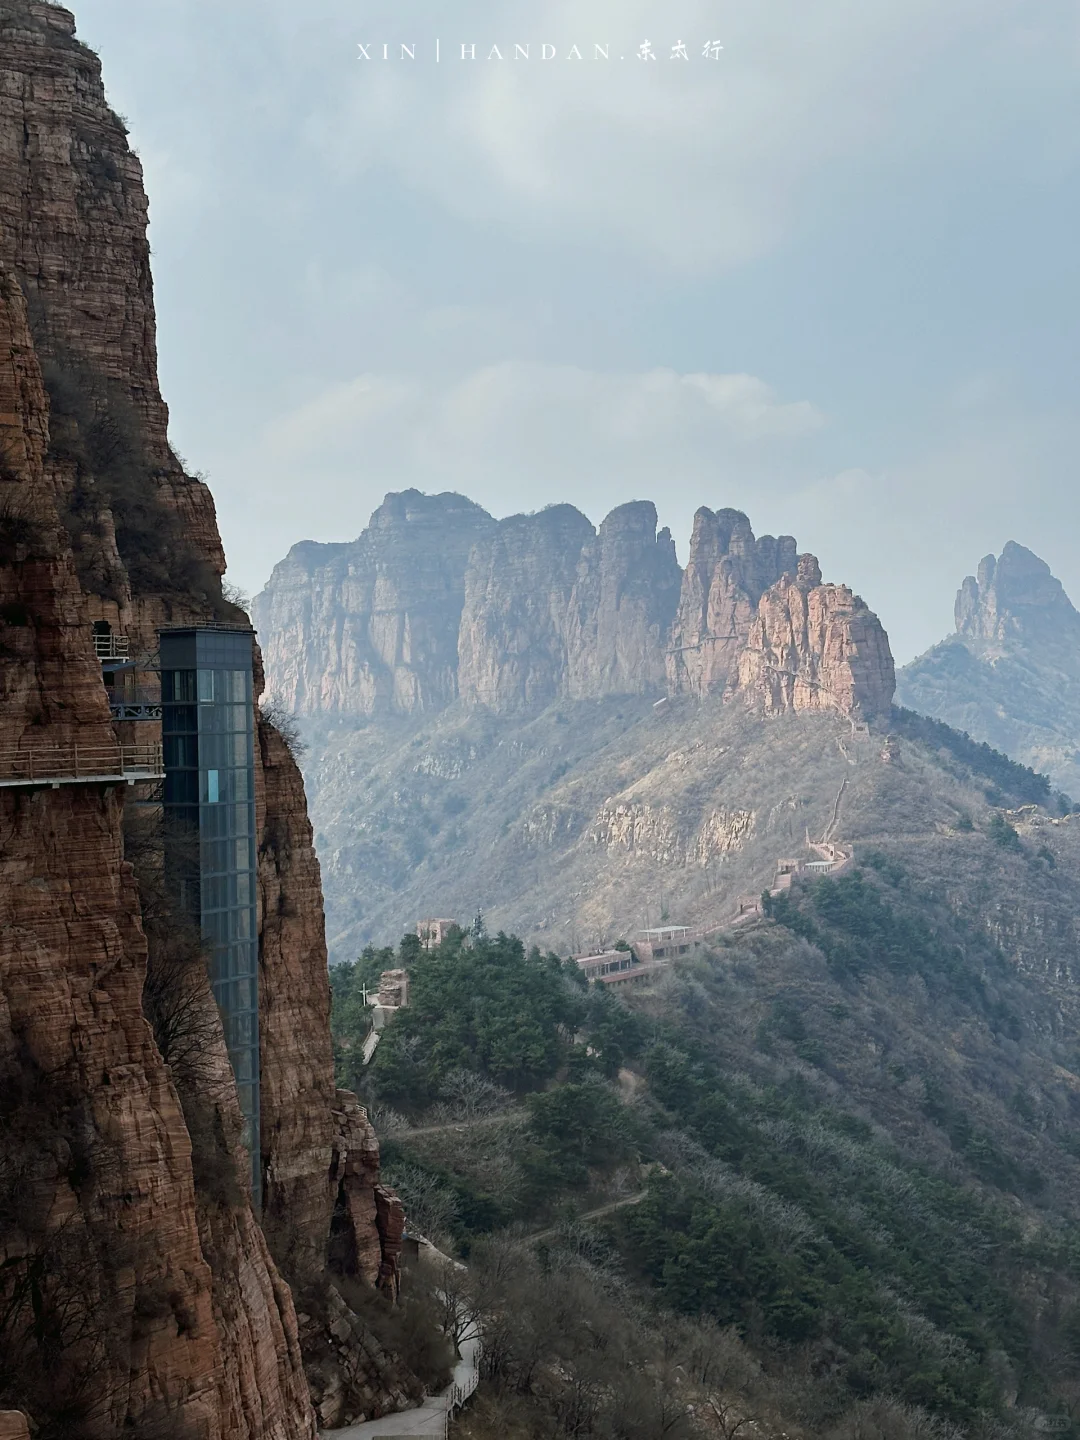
56, 765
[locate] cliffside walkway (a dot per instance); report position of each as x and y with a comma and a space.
433, 1416
57, 765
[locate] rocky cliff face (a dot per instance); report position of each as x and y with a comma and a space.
96, 1182
554, 609
816, 647
1015, 599
73, 219
551, 609
568, 637
119, 1172
372, 627
726, 576
1010, 675
518, 590
622, 607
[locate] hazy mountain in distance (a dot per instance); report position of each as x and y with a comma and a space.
1010, 675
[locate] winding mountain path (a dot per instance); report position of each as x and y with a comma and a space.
427, 1419
591, 1215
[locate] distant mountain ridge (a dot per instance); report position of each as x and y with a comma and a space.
437, 602
1010, 675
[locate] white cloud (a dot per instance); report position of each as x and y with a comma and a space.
699, 162
518, 417
514, 436
519, 436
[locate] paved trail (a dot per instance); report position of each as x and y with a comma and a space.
503, 1115
591, 1215
427, 1419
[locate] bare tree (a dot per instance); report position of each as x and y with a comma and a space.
455, 1302
429, 1203
732, 1417
276, 712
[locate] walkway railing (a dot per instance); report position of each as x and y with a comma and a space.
461, 1391
112, 647
80, 765
135, 704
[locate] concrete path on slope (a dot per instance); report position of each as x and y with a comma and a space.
590, 1215
427, 1419
516, 1116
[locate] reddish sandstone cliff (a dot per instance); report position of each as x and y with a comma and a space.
96, 1177
544, 608
195, 1324
726, 575
816, 647
73, 221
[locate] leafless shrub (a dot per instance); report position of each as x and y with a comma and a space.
388, 1122
886, 1419
276, 713
233, 595
430, 1205
468, 1096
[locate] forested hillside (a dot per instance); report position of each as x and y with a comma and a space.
834, 1162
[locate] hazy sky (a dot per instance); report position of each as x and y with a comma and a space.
827, 274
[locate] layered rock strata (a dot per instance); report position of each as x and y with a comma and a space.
551, 609
372, 627
728, 572
622, 606
193, 1321
512, 650
72, 1032
816, 647
73, 223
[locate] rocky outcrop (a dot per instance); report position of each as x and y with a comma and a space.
655, 833
518, 591
546, 608
726, 575
622, 607
816, 647
325, 1212
73, 221
116, 1173
372, 627
120, 1207
368, 1218
298, 1094
1014, 598
1010, 675
554, 609
639, 829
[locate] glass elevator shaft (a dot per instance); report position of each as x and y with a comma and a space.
208, 735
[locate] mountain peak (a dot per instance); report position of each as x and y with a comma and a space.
1013, 595
1010, 674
